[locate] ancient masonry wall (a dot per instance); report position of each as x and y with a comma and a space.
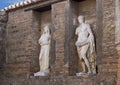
109, 53
117, 37
22, 49
106, 48
19, 36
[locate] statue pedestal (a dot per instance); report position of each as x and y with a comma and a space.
84, 74
42, 73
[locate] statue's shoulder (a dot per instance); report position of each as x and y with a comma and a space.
77, 28
87, 25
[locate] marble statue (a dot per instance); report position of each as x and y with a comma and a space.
85, 47
44, 42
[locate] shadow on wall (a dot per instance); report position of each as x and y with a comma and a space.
3, 23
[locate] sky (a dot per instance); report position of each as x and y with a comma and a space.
5, 3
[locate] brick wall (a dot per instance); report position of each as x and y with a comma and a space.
19, 35
109, 53
117, 37
24, 29
59, 21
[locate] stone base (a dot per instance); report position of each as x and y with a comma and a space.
103, 79
84, 74
42, 73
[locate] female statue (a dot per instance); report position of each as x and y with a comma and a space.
44, 42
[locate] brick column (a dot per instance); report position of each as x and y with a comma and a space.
59, 16
118, 74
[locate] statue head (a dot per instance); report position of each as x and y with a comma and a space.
46, 29
81, 19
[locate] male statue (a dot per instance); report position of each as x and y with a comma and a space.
85, 47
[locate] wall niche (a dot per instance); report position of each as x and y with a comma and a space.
41, 17
86, 8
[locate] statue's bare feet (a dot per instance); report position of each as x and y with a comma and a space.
83, 72
89, 72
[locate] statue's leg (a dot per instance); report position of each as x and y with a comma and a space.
84, 50
41, 59
83, 66
46, 57
81, 59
